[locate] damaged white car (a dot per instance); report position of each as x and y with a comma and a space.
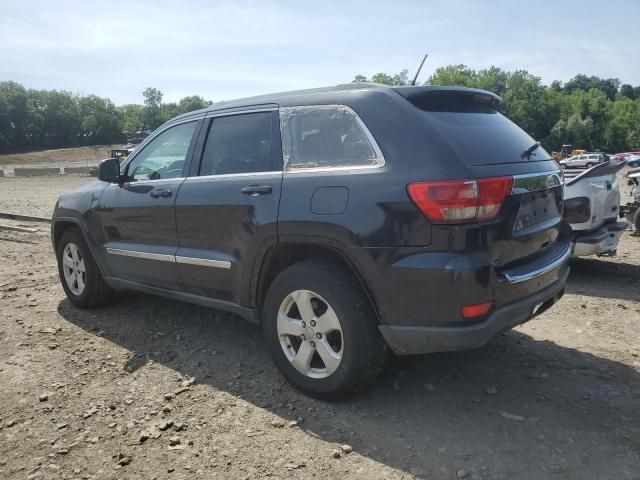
591, 207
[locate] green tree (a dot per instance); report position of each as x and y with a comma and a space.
528, 104
493, 79
628, 91
454, 75
13, 115
633, 139
61, 126
385, 79
624, 121
581, 82
131, 117
152, 102
189, 104
99, 120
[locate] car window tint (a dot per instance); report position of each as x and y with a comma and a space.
326, 136
164, 156
238, 144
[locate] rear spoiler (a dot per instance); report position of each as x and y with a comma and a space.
604, 168
432, 95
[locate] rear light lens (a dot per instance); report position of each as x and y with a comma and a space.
473, 311
461, 201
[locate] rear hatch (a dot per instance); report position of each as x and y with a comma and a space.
527, 227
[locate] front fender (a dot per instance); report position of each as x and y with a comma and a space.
77, 209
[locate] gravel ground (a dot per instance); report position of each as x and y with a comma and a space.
36, 195
148, 388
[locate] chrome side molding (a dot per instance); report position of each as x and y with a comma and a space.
136, 254
203, 262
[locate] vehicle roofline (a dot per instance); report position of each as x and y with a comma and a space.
323, 95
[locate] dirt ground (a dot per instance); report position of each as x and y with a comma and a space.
148, 388
59, 156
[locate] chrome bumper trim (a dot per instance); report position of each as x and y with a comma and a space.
540, 271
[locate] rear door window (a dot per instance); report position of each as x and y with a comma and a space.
326, 136
241, 144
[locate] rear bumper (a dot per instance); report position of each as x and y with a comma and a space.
603, 240
415, 340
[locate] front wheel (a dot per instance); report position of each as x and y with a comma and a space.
79, 274
321, 330
589, 165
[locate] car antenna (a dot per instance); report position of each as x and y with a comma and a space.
419, 68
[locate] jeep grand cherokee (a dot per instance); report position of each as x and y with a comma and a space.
346, 221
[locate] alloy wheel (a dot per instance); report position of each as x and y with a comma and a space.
310, 334
74, 269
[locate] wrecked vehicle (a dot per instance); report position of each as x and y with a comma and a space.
631, 209
591, 207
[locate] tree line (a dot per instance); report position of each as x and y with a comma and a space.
31, 119
587, 112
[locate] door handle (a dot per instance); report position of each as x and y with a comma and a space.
160, 193
255, 190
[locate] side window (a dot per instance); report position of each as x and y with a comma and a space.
324, 136
239, 144
164, 156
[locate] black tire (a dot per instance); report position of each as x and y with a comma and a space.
589, 165
96, 291
636, 221
364, 351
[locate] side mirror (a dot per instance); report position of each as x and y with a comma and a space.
109, 170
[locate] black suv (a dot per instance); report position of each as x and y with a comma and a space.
346, 221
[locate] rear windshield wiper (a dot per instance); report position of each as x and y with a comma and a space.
528, 153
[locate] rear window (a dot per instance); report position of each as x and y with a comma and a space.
480, 135
326, 136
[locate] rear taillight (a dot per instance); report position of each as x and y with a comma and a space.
460, 201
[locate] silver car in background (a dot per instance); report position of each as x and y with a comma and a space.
587, 160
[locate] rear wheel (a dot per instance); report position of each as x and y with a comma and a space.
80, 277
321, 330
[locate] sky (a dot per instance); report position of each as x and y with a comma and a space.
224, 50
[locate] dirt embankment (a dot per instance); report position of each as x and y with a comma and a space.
60, 156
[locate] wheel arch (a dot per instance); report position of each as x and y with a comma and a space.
280, 256
62, 225
59, 225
